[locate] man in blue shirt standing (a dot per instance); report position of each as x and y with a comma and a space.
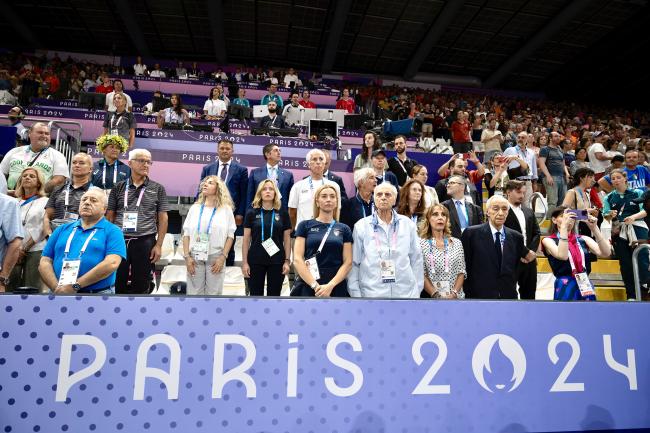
11, 237
83, 256
638, 176
272, 96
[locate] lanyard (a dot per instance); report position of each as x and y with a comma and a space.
126, 195
66, 200
327, 233
198, 229
29, 200
311, 184
432, 244
119, 119
582, 256
414, 218
272, 221
582, 197
85, 245
114, 173
393, 241
363, 206
402, 165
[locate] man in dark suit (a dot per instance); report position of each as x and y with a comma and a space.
401, 165
492, 253
462, 214
522, 219
272, 120
235, 176
458, 167
271, 170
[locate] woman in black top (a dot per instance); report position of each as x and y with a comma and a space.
322, 252
266, 247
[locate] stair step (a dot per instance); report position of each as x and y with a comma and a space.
611, 293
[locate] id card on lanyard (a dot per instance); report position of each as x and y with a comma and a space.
130, 219
70, 267
311, 263
269, 246
386, 266
115, 125
439, 284
584, 284
114, 175
73, 216
201, 247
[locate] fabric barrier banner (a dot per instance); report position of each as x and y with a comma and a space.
242, 365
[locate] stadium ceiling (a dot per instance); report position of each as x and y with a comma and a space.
574, 48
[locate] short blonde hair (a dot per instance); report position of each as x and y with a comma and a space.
257, 200
41, 182
223, 195
337, 210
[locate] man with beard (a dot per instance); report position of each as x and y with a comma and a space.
272, 121
401, 165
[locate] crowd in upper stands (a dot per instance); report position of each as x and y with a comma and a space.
392, 237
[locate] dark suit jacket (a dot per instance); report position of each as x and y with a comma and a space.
484, 279
396, 168
285, 182
474, 213
533, 233
266, 122
237, 182
441, 190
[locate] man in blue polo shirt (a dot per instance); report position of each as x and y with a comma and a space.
638, 177
82, 256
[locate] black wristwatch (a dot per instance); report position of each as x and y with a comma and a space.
4, 281
76, 287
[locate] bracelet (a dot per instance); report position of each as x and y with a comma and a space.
563, 239
436, 295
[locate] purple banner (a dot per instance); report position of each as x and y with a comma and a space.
190, 364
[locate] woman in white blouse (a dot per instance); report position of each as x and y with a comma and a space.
214, 107
208, 234
174, 114
31, 197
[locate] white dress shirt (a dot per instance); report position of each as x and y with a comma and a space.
521, 218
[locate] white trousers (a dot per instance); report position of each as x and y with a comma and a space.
204, 282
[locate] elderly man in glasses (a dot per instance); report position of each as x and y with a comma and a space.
138, 205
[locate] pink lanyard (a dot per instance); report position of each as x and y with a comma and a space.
393, 241
432, 244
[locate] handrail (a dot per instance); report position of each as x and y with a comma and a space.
635, 269
531, 204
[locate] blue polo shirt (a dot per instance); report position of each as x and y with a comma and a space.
123, 173
107, 240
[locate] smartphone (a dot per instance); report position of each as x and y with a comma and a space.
581, 214
466, 155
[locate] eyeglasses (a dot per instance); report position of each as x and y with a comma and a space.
454, 183
144, 161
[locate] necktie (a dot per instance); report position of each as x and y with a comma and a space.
224, 171
497, 247
461, 215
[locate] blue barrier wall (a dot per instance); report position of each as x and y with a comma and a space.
243, 365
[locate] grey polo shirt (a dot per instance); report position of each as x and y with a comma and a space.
57, 199
154, 200
122, 122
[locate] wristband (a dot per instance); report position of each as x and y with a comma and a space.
563, 239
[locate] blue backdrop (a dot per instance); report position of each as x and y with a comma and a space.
110, 364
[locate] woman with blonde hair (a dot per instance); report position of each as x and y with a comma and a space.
208, 235
266, 247
322, 252
30, 190
443, 256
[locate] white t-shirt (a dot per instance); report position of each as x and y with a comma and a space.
301, 197
139, 69
214, 107
223, 226
288, 78
51, 163
112, 107
597, 165
32, 214
157, 74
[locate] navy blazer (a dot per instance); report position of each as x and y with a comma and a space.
285, 182
474, 213
484, 278
237, 182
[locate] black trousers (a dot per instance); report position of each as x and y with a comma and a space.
230, 260
137, 267
274, 280
527, 279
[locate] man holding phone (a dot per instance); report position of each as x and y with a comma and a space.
524, 167
457, 166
